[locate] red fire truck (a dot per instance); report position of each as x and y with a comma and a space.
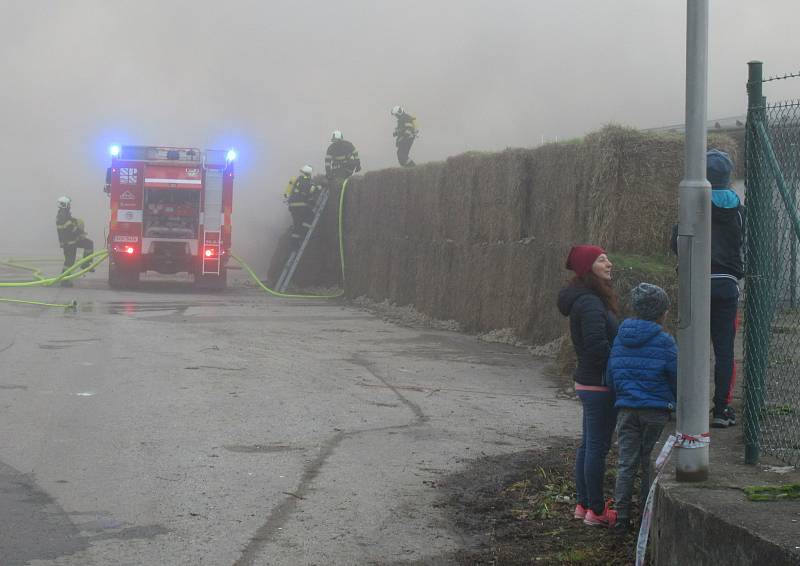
170, 213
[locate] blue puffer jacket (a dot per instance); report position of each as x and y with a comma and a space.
643, 366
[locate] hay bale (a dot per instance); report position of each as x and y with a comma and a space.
481, 238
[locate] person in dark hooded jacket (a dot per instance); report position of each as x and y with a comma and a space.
643, 372
727, 267
591, 305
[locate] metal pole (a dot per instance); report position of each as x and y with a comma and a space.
759, 269
694, 255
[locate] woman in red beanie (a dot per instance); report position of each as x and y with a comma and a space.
592, 307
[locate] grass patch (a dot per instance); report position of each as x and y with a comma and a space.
581, 556
785, 329
658, 266
777, 410
772, 492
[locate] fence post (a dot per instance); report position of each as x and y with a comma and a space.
793, 241
757, 290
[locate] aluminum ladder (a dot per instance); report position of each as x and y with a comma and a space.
212, 223
294, 257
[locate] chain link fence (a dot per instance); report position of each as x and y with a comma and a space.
772, 285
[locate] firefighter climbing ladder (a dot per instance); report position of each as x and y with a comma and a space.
294, 257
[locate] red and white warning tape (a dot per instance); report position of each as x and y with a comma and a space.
680, 440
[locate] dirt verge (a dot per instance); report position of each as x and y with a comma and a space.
517, 509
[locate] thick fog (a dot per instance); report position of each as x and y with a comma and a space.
273, 79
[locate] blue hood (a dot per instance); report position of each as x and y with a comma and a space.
635, 332
725, 198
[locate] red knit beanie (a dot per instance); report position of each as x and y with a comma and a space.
581, 258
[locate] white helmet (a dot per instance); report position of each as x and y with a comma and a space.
336, 135
397, 110
64, 202
307, 170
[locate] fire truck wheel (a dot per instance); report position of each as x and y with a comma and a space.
120, 278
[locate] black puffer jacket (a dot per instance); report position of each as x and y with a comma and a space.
727, 234
592, 327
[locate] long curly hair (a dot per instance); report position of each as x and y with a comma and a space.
601, 287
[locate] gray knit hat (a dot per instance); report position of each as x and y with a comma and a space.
649, 301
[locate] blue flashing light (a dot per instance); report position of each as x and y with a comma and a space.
114, 150
231, 155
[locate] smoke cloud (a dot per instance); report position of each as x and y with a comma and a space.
273, 79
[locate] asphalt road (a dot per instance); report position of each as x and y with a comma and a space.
161, 426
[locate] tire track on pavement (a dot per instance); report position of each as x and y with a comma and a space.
283, 512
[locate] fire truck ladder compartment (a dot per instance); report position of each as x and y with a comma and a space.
294, 257
212, 223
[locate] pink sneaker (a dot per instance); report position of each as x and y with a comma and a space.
580, 512
607, 518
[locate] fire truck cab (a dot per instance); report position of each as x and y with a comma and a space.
170, 213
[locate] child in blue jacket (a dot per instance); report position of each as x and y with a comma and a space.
643, 371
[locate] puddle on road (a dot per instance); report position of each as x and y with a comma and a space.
133, 533
260, 448
38, 529
134, 307
214, 367
63, 344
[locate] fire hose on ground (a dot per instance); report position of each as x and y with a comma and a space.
90, 262
78, 269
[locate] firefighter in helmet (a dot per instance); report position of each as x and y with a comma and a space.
405, 132
71, 235
301, 196
342, 159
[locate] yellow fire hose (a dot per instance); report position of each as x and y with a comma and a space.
98, 257
69, 306
73, 272
275, 293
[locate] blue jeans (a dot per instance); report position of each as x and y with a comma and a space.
599, 418
637, 433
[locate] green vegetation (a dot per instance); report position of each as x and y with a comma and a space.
656, 265
777, 410
541, 499
581, 556
773, 492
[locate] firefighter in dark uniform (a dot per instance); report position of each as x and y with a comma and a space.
342, 159
71, 236
301, 196
405, 132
